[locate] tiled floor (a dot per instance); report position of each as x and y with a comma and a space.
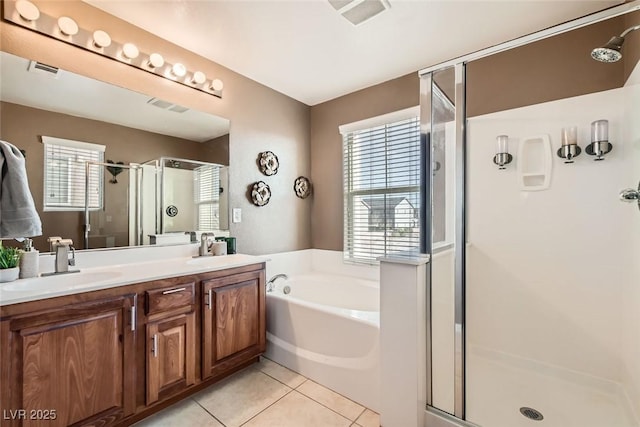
265, 395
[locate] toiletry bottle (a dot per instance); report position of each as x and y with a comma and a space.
29, 260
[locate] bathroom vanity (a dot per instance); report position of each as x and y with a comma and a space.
114, 351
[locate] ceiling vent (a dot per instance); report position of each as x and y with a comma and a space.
166, 105
359, 11
44, 69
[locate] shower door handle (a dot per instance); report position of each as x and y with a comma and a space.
630, 195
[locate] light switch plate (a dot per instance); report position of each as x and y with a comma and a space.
237, 215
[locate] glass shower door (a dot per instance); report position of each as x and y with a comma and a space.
442, 111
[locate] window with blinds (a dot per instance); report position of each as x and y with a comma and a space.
65, 181
207, 197
382, 189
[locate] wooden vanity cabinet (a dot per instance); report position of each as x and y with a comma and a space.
171, 340
114, 356
72, 365
233, 321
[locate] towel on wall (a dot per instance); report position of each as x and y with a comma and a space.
18, 216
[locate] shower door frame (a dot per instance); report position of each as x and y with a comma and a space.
435, 417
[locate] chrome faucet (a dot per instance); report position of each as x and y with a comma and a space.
273, 279
204, 244
61, 247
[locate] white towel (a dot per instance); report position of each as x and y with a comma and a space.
18, 216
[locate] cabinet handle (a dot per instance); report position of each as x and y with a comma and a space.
209, 298
154, 345
133, 317
173, 291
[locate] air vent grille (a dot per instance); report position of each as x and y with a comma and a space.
44, 69
166, 105
359, 11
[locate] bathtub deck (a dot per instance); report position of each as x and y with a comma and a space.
265, 394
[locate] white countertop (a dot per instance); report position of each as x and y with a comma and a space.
114, 275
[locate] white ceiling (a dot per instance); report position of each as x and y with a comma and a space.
305, 49
81, 96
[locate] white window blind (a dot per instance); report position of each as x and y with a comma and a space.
207, 197
65, 171
382, 191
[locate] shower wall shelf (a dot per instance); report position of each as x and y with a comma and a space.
535, 158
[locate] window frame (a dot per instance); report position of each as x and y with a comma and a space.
76, 171
347, 131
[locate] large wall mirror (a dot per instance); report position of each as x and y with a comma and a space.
109, 167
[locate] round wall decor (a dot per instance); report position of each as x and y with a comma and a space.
269, 163
172, 210
260, 193
302, 187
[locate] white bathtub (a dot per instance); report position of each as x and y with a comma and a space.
328, 329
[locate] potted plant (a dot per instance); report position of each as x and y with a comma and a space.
9, 261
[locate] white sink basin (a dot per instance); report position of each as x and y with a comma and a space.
69, 281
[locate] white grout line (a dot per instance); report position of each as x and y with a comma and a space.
207, 411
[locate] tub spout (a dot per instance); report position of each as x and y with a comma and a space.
273, 279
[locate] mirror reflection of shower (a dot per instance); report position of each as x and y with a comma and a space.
610, 52
192, 197
162, 201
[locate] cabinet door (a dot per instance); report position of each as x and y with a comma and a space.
171, 355
233, 321
73, 365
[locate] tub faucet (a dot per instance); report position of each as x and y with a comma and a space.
273, 279
204, 243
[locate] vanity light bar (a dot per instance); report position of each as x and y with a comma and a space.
26, 14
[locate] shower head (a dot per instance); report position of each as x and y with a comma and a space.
610, 52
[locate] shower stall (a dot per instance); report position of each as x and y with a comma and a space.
533, 297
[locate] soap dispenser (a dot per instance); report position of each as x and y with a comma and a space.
29, 261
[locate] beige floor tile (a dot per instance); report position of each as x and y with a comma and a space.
241, 396
331, 399
296, 410
368, 419
185, 413
279, 372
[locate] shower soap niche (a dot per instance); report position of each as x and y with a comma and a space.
535, 158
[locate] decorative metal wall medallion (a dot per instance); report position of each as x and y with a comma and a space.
172, 210
269, 163
260, 193
302, 187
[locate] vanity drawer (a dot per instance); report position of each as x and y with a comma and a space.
174, 296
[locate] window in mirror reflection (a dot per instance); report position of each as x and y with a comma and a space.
207, 191
65, 163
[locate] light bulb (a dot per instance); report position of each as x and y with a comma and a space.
130, 51
217, 85
67, 26
156, 60
27, 10
101, 39
178, 70
198, 78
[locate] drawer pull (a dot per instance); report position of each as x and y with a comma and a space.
133, 317
154, 345
173, 291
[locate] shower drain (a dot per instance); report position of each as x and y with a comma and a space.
531, 413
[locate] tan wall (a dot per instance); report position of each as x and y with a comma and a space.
554, 68
326, 148
23, 127
261, 118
